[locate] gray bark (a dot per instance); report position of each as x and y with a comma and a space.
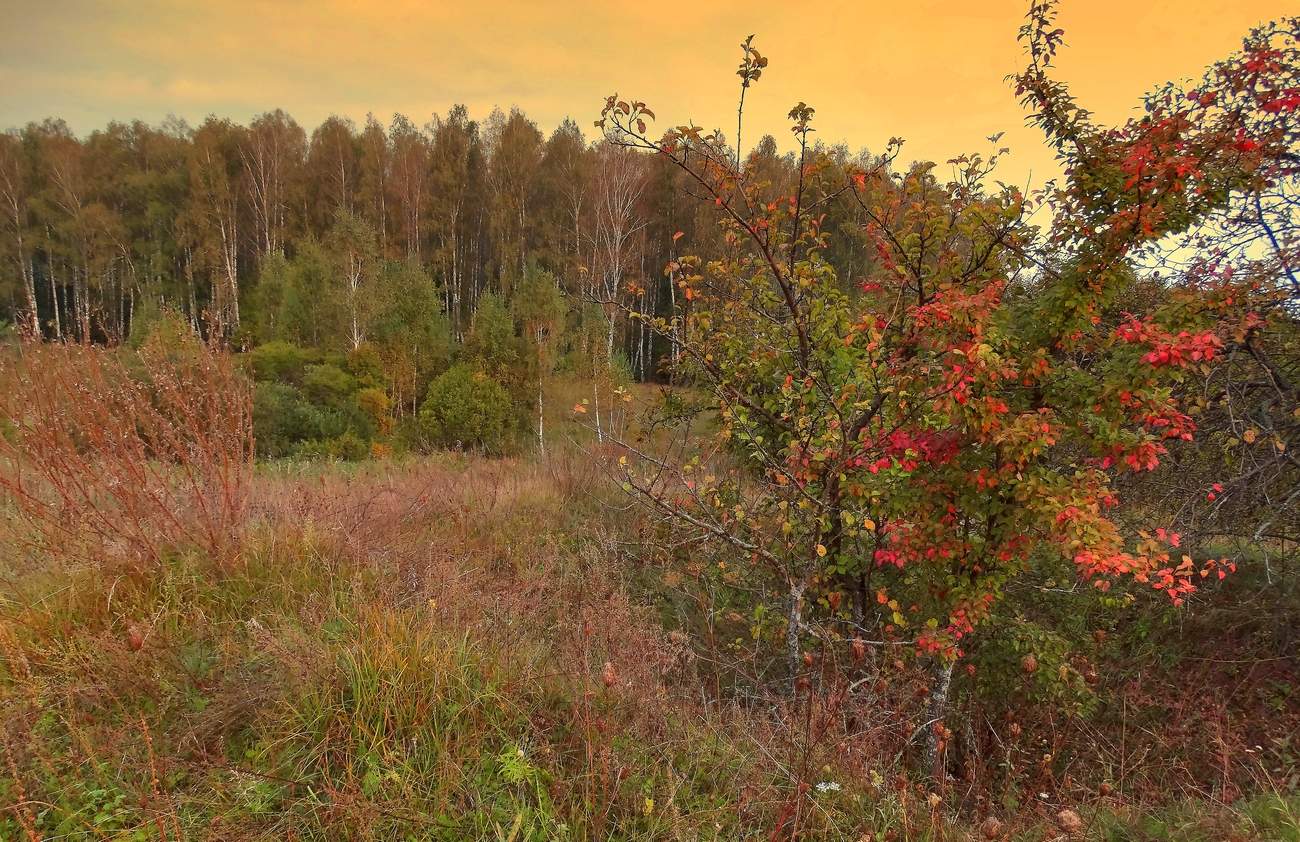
935, 712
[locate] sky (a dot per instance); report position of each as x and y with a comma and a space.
930, 71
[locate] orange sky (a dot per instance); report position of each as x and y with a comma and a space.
931, 71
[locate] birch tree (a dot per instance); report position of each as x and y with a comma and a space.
13, 202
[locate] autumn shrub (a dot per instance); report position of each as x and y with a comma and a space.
124, 457
375, 405
467, 408
965, 419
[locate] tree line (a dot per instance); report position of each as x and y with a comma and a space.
263, 231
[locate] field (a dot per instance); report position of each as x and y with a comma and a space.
461, 647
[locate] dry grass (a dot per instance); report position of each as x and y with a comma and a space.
458, 648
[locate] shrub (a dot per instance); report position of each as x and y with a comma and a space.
288, 423
366, 365
150, 321
375, 405
333, 423
328, 385
282, 361
347, 446
282, 419
466, 408
111, 460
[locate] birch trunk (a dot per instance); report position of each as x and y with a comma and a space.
935, 712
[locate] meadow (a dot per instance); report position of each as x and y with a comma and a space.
455, 646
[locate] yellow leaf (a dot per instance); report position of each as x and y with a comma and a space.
869, 524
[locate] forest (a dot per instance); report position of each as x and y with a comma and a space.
385, 242
456, 481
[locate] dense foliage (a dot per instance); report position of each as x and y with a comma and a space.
466, 407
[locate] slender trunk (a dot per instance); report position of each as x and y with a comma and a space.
230, 255
595, 404
675, 338
355, 268
860, 600
383, 219
455, 272
609, 338
81, 302
29, 287
794, 622
191, 294
935, 712
28, 274
541, 421
523, 246
577, 233
54, 301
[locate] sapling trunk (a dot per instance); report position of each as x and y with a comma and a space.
541, 437
935, 712
794, 619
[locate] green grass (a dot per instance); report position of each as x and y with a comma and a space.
1271, 817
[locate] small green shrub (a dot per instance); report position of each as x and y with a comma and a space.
349, 447
466, 408
279, 361
287, 423
366, 366
282, 419
328, 385
1019, 660
346, 446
